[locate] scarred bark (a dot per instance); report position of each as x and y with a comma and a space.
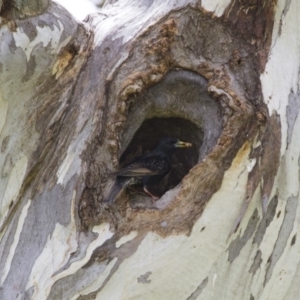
77, 98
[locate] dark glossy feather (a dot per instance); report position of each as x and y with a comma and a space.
114, 191
145, 166
146, 169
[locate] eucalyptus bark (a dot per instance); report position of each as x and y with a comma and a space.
78, 98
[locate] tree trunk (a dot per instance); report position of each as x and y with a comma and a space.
77, 99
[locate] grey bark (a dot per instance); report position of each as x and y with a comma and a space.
78, 98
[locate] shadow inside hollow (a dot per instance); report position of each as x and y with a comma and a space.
183, 159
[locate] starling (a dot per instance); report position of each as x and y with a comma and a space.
148, 169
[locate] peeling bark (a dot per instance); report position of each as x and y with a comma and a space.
79, 98
16, 9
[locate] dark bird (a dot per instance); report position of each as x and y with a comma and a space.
148, 169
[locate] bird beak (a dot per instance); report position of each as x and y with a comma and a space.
180, 144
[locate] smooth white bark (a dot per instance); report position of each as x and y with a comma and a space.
257, 262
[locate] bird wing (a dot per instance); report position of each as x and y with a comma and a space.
145, 166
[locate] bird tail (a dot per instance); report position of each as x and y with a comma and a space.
113, 193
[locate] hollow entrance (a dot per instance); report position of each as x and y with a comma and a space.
183, 159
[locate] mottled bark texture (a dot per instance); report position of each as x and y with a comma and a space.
11, 10
77, 99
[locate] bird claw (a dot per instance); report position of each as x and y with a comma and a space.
154, 199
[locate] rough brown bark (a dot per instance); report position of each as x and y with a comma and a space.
77, 98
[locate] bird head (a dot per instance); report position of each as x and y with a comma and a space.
169, 144
180, 144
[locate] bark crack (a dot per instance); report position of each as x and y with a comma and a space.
198, 290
